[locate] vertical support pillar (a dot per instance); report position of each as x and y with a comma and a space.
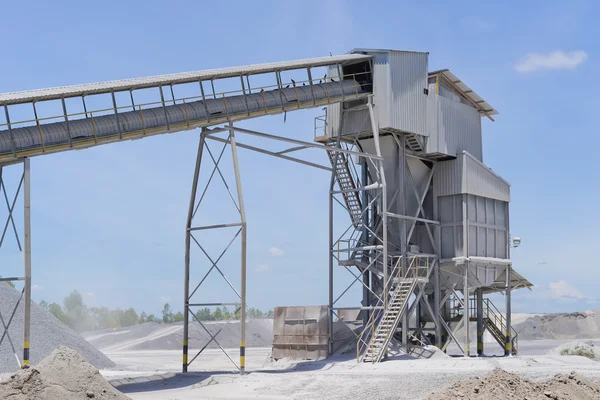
238, 183
186, 287
467, 344
27, 228
330, 308
479, 294
364, 239
508, 344
436, 304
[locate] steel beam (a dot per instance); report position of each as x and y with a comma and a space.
27, 257
186, 287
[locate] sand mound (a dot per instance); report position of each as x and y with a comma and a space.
63, 375
560, 326
501, 385
577, 348
153, 336
47, 333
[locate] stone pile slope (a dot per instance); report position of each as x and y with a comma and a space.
47, 333
502, 385
63, 375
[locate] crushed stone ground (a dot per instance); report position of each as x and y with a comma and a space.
63, 375
47, 333
501, 385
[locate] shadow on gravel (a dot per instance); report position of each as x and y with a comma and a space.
168, 381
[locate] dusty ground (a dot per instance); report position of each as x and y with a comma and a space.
155, 375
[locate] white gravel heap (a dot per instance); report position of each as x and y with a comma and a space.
64, 375
47, 333
577, 348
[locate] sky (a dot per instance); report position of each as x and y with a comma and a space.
110, 221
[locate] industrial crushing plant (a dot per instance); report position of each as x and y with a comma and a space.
427, 236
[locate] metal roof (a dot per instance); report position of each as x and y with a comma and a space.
168, 79
483, 105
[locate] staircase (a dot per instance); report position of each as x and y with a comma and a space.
413, 142
339, 162
495, 322
386, 327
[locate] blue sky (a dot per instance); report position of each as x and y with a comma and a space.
109, 221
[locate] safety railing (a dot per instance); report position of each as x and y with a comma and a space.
497, 318
418, 268
48, 140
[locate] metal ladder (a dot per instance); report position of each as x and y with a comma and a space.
339, 162
386, 327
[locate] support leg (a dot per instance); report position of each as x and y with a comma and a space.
27, 228
436, 305
243, 250
479, 294
467, 343
508, 344
186, 288
330, 311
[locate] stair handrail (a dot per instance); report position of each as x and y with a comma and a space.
500, 320
396, 275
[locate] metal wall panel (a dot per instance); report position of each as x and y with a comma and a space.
453, 127
408, 101
466, 174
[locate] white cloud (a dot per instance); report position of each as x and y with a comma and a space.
276, 252
37, 287
550, 61
165, 299
90, 294
562, 290
263, 268
542, 262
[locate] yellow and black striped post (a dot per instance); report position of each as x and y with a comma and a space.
25, 354
242, 357
508, 345
185, 355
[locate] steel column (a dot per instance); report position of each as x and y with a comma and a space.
365, 239
186, 287
27, 257
467, 343
508, 344
238, 183
331, 240
479, 294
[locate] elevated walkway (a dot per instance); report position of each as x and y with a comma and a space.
66, 131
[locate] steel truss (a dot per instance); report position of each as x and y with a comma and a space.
25, 296
213, 163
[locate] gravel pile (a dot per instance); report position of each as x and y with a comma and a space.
153, 336
560, 326
577, 348
63, 375
501, 385
47, 333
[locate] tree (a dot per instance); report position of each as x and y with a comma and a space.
76, 313
57, 311
44, 304
178, 317
150, 318
204, 314
9, 283
143, 317
167, 314
226, 313
129, 318
217, 314
270, 314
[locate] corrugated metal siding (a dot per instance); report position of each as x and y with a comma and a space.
481, 181
408, 105
356, 121
334, 114
466, 174
453, 127
448, 177
381, 87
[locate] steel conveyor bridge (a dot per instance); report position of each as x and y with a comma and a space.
38, 135
47, 121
